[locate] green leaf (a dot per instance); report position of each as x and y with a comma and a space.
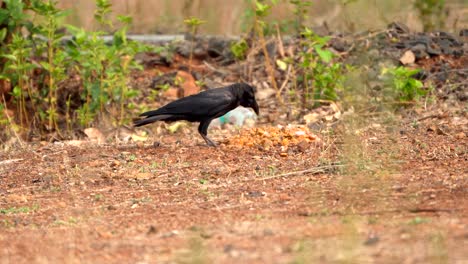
3, 15
16, 91
9, 56
125, 19
261, 9
239, 49
325, 55
45, 65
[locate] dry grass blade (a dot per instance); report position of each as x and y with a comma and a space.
315, 170
6, 162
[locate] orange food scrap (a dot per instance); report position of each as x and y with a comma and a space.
280, 137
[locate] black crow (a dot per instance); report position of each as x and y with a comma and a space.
204, 107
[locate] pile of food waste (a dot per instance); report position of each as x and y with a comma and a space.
282, 138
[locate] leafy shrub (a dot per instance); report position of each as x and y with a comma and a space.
321, 76
38, 64
400, 82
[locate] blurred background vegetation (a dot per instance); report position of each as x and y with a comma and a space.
228, 17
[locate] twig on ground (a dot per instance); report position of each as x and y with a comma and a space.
315, 170
424, 118
212, 68
5, 162
285, 82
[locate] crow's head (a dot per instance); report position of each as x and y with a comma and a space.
248, 97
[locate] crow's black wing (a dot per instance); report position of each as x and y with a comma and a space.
205, 105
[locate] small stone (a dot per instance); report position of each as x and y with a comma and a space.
188, 84
420, 51
372, 240
115, 163
408, 58
268, 232
143, 176
303, 146
283, 154
255, 194
460, 135
265, 94
405, 236
152, 230
94, 134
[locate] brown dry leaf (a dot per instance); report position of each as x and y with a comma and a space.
265, 93
460, 135
311, 118
95, 134
143, 176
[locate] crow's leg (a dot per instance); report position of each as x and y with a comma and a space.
203, 130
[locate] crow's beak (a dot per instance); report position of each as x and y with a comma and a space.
255, 108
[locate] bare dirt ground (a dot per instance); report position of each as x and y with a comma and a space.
371, 189
382, 195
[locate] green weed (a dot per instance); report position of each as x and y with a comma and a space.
300, 12
19, 210
37, 61
320, 77
401, 85
239, 49
193, 24
418, 220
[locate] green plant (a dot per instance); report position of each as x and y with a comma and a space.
193, 24
262, 10
132, 157
3, 117
90, 56
16, 210
55, 63
418, 220
12, 18
402, 85
300, 12
102, 68
15, 62
17, 69
98, 197
239, 49
320, 76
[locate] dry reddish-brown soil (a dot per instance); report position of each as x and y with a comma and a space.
379, 194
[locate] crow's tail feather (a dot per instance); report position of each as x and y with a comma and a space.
151, 113
149, 120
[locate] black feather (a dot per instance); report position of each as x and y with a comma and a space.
203, 107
